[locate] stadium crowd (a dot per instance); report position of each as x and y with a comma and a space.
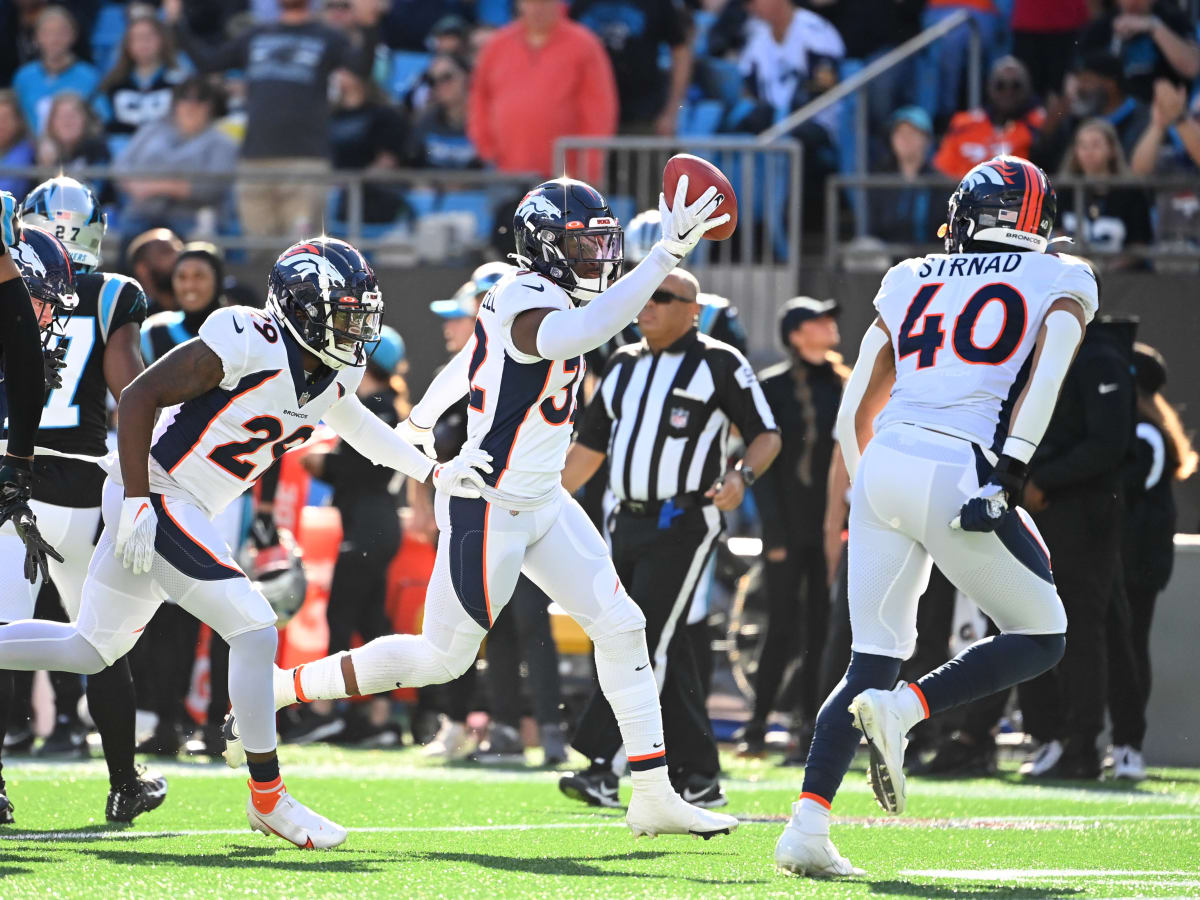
287, 87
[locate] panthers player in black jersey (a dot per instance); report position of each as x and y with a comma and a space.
102, 354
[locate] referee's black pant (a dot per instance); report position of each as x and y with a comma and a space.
660, 567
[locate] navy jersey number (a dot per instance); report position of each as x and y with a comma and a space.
478, 394
931, 337
267, 430
551, 411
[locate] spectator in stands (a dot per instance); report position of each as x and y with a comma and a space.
1044, 39
1094, 90
538, 79
910, 215
287, 66
1153, 39
151, 260
1009, 122
138, 88
358, 20
439, 138
72, 136
450, 35
16, 149
186, 141
367, 134
1171, 143
55, 70
1116, 219
408, 24
632, 32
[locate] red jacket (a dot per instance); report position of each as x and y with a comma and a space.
523, 99
973, 137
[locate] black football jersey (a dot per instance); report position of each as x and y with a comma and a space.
75, 417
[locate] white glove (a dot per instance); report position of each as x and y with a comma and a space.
683, 225
421, 438
135, 534
460, 477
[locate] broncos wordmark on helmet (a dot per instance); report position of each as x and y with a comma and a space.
565, 230
325, 293
46, 269
1006, 203
68, 210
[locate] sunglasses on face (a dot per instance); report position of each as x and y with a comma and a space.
442, 77
667, 297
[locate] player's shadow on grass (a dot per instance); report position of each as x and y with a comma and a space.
279, 858
973, 890
570, 866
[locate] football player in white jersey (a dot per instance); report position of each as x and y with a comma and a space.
521, 373
250, 387
952, 391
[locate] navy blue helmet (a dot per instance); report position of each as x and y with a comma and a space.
1005, 203
46, 269
325, 293
565, 230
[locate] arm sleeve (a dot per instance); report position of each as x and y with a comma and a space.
128, 306
595, 427
741, 398
24, 373
448, 387
565, 333
208, 57
856, 388
228, 334
1045, 381
1107, 392
367, 434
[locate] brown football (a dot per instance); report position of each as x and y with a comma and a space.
701, 175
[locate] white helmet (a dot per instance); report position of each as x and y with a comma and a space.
278, 572
68, 210
641, 234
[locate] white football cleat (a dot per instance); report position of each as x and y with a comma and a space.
1044, 759
235, 750
876, 715
1128, 764
652, 813
811, 854
451, 741
294, 822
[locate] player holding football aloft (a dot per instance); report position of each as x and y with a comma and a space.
963, 365
521, 373
250, 387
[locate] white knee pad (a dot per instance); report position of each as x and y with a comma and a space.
622, 616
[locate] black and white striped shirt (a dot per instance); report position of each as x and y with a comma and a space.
663, 418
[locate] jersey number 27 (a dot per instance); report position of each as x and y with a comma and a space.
929, 340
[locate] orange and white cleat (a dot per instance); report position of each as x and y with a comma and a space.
272, 810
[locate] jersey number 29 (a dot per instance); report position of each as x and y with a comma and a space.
929, 340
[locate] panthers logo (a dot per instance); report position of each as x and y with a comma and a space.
539, 203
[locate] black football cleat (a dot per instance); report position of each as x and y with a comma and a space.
143, 794
6, 810
68, 740
702, 791
596, 786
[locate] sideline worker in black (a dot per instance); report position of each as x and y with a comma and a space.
662, 416
804, 393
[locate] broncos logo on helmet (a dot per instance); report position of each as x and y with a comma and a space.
1005, 203
46, 269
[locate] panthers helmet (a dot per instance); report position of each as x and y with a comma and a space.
69, 210
325, 293
641, 234
1006, 203
565, 230
46, 269
278, 573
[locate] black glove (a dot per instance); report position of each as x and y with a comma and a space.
16, 488
54, 361
995, 499
263, 532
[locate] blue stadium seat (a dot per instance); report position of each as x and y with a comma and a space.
106, 34
702, 21
421, 201
475, 202
116, 143
700, 118
494, 12
407, 69
624, 207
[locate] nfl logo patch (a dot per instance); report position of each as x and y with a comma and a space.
679, 417
1007, 215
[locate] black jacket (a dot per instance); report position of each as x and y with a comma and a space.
791, 493
1148, 526
1090, 434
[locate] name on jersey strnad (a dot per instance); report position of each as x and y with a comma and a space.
970, 264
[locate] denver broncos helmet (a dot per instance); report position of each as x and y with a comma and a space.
1005, 203
325, 293
565, 230
46, 270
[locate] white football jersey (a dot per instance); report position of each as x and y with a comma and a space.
521, 407
963, 328
211, 448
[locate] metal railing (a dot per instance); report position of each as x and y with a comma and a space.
436, 184
858, 83
760, 264
1167, 247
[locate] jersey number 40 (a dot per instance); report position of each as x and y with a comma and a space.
929, 340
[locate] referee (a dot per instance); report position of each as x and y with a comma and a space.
662, 414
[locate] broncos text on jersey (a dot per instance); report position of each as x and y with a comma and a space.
963, 329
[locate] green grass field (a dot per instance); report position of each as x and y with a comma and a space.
426, 830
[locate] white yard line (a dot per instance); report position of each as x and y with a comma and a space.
132, 834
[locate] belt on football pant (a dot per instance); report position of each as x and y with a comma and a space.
645, 509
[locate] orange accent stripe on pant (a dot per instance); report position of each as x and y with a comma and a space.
808, 795
199, 544
655, 755
920, 696
296, 684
